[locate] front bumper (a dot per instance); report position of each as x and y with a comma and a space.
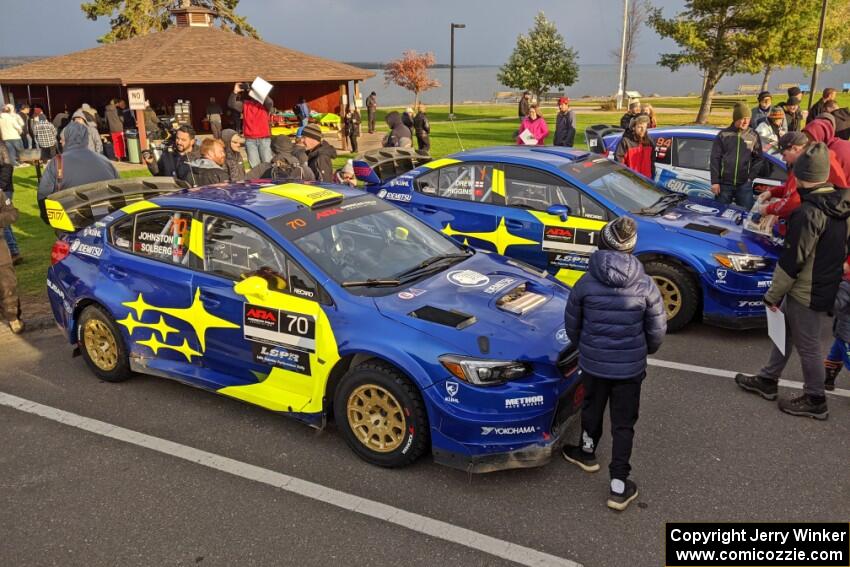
565, 422
735, 322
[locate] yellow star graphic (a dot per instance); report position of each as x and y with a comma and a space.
155, 345
163, 328
501, 237
196, 315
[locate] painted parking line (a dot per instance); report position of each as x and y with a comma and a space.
731, 374
408, 520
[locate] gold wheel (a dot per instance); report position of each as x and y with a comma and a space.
671, 295
100, 345
376, 418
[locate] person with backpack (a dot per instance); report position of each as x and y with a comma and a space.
320, 154
76, 165
302, 112
422, 127
44, 133
616, 317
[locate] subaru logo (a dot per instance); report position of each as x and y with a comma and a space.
452, 388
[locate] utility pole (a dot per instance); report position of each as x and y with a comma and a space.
818, 55
620, 93
452, 72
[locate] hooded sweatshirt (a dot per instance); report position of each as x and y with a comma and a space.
811, 264
320, 159
203, 171
94, 144
842, 123
821, 130
399, 136
79, 164
233, 163
616, 316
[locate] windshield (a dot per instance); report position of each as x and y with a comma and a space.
371, 243
617, 183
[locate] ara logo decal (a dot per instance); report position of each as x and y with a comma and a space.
327, 213
467, 278
262, 314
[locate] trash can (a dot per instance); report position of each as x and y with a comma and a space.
593, 137
134, 148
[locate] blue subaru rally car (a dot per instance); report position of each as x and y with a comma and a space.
546, 205
682, 156
317, 301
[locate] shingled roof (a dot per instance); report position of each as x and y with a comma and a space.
182, 55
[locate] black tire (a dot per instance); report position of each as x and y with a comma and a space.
413, 431
675, 284
97, 317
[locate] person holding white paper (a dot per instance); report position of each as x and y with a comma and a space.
533, 128
255, 109
805, 283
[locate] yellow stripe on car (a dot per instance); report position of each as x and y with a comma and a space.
437, 163
283, 389
308, 195
137, 207
57, 217
196, 239
499, 182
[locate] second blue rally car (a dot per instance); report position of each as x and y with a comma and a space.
546, 205
319, 301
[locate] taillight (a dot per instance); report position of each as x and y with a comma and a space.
60, 251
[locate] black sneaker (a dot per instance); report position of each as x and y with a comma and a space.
804, 406
764, 387
585, 461
832, 369
620, 501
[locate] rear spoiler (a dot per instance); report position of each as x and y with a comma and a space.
593, 135
74, 209
379, 166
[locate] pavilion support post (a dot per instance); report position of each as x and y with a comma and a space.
49, 109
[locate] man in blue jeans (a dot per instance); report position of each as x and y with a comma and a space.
736, 159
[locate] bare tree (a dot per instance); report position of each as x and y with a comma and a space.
639, 11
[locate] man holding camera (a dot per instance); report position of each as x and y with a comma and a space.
255, 123
176, 157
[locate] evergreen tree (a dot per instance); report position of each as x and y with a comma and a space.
131, 18
540, 60
719, 37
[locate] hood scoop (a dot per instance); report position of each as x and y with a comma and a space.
520, 301
454, 319
706, 228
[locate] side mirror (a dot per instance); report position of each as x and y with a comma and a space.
258, 285
561, 211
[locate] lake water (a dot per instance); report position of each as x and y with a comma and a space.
479, 83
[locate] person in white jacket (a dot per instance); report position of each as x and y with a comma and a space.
772, 129
11, 129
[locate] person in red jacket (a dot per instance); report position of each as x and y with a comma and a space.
784, 199
255, 125
635, 148
822, 129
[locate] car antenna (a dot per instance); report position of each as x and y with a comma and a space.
459, 141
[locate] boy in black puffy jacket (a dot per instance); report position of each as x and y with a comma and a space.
616, 317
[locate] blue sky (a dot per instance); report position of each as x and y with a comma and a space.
365, 30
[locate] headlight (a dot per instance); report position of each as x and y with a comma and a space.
483, 372
741, 262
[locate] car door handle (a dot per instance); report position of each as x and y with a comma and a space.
514, 224
209, 300
428, 209
115, 272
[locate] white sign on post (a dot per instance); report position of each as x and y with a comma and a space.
136, 99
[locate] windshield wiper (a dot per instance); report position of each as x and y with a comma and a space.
371, 282
663, 203
430, 262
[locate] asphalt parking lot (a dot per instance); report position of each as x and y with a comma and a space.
177, 476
